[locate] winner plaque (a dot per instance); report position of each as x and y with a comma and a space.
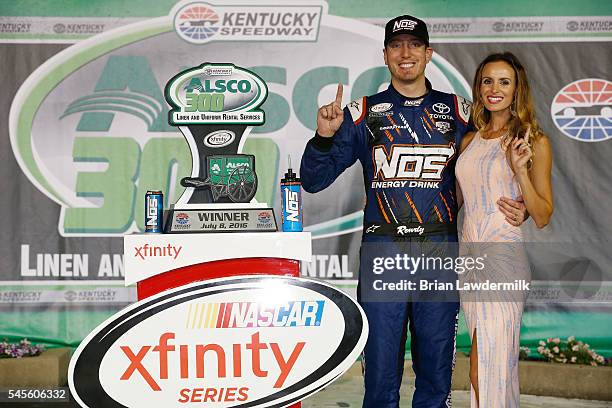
215, 106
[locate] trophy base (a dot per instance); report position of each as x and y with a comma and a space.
210, 218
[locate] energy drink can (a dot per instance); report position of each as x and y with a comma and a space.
154, 211
291, 199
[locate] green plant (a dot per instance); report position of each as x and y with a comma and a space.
22, 349
569, 351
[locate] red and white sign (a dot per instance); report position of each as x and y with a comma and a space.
148, 255
242, 341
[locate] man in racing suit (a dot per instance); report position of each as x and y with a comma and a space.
407, 139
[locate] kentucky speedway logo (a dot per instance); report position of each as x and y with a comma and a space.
582, 110
89, 127
199, 23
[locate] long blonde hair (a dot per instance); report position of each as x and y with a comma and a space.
522, 111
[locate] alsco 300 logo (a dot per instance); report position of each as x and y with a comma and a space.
248, 341
216, 93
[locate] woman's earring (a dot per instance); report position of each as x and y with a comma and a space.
513, 108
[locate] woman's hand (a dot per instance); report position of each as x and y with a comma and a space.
520, 153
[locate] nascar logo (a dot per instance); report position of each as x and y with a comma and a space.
251, 314
582, 110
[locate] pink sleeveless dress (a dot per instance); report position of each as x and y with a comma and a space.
484, 176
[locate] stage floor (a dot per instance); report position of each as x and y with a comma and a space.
347, 392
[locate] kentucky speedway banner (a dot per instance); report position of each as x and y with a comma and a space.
84, 134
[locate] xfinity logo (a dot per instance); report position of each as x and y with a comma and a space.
229, 361
220, 138
148, 251
440, 108
404, 25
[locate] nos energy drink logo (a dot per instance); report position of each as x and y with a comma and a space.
292, 206
582, 110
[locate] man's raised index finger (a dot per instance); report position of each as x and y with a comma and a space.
338, 100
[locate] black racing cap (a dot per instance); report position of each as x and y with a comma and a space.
406, 25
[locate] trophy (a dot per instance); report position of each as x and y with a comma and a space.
215, 106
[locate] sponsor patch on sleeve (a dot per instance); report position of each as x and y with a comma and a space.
357, 109
463, 107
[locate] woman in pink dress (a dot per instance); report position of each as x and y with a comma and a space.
507, 156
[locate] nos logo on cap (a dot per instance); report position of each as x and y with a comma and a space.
404, 24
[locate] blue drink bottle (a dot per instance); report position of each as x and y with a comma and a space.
291, 199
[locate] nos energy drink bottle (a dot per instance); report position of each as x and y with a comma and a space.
291, 198
154, 211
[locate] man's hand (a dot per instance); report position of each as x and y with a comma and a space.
514, 211
330, 117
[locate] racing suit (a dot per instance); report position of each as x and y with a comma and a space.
407, 148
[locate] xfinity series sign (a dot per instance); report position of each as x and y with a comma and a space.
242, 342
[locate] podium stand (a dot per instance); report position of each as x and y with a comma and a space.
157, 262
